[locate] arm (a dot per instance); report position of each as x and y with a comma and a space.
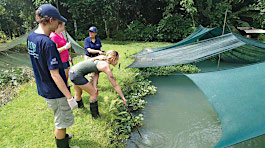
114, 84
89, 49
52, 55
55, 39
60, 83
65, 47
62, 87
61, 49
93, 51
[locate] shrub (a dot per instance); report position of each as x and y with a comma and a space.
10, 79
165, 70
119, 36
137, 31
262, 37
173, 28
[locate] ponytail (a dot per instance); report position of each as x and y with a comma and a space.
112, 54
100, 58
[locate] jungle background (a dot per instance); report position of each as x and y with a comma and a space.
135, 20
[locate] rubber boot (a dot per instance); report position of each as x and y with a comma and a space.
63, 143
80, 103
94, 110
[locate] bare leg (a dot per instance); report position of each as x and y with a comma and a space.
66, 73
60, 133
91, 90
92, 99
78, 93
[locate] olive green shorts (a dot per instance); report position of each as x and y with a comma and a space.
63, 115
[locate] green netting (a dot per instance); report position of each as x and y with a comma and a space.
17, 41
201, 33
77, 48
244, 54
13, 58
244, 50
237, 95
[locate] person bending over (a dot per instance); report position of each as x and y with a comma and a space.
97, 64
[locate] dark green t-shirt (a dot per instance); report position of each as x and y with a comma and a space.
85, 67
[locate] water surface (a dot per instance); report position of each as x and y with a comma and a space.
179, 115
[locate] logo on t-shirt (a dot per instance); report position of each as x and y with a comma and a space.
97, 44
32, 50
54, 61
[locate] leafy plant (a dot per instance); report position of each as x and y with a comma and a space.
173, 28
165, 70
137, 31
11, 79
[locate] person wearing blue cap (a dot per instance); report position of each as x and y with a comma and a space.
49, 72
92, 44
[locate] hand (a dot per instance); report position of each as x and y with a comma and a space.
101, 52
72, 103
124, 101
67, 45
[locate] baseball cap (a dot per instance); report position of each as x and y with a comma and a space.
93, 29
51, 11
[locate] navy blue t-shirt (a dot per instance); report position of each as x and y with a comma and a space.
89, 44
44, 57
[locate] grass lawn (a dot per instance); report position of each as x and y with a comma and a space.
28, 122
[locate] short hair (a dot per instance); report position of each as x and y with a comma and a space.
41, 19
60, 22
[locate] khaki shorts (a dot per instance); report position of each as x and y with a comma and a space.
63, 115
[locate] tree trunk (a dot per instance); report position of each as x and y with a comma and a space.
106, 28
18, 31
193, 22
9, 32
75, 25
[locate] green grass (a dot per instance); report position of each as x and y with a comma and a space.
28, 122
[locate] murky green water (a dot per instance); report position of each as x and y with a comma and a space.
179, 116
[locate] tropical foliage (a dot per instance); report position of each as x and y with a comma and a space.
145, 20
